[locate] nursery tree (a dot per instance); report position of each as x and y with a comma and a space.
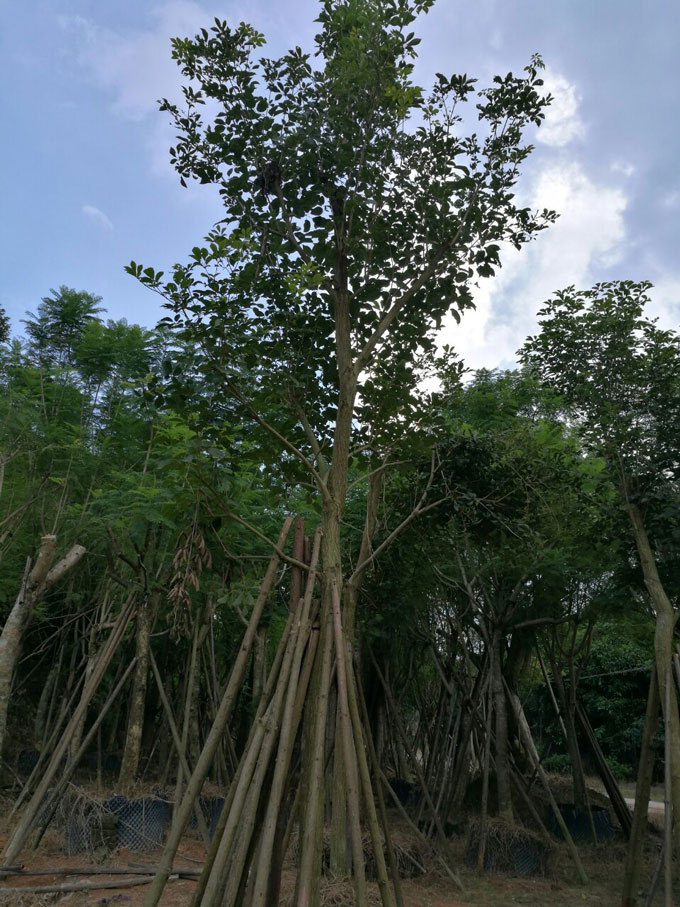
358, 214
619, 373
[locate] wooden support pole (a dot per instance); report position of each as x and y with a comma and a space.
350, 761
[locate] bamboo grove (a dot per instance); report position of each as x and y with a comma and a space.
285, 545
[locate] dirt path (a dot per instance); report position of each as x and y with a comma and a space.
657, 811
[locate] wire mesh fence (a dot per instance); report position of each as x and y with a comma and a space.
91, 823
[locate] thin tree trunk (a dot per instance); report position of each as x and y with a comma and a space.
663, 653
502, 756
135, 727
484, 809
642, 794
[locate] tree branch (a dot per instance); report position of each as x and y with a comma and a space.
418, 510
266, 540
384, 324
321, 483
313, 440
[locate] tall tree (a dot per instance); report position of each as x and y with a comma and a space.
358, 214
619, 374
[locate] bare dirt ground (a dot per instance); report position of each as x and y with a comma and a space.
559, 888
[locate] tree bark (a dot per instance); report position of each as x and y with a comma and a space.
135, 727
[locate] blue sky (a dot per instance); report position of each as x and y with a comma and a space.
86, 183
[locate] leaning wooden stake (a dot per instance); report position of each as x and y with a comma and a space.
50, 807
289, 728
309, 867
250, 747
386, 893
375, 768
443, 840
219, 725
230, 863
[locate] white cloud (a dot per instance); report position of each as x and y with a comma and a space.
665, 302
563, 122
671, 200
588, 236
136, 67
94, 214
625, 168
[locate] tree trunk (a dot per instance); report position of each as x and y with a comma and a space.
663, 653
135, 727
35, 583
502, 756
642, 792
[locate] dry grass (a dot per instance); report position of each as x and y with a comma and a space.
337, 893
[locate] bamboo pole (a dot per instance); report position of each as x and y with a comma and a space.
386, 893
289, 728
375, 768
272, 681
312, 818
230, 862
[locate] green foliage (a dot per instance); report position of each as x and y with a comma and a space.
357, 213
619, 374
59, 324
560, 763
4, 326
